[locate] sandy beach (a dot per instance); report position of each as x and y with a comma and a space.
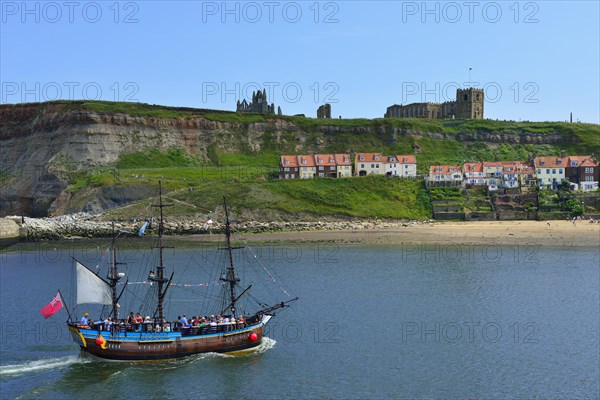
541, 233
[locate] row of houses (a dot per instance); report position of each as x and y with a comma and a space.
583, 173
340, 166
315, 165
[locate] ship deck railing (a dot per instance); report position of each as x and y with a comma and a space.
152, 335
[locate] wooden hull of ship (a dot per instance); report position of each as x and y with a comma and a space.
165, 346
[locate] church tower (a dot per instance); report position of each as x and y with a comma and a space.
469, 103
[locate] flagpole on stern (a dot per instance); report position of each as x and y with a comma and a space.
65, 304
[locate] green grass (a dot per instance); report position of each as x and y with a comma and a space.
171, 177
154, 158
368, 197
445, 193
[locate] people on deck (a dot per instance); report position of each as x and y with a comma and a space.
184, 322
85, 319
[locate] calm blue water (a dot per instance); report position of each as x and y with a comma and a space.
371, 322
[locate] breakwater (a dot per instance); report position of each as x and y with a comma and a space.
89, 226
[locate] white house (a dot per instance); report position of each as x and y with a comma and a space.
369, 164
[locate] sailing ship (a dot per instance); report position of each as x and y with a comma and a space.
231, 332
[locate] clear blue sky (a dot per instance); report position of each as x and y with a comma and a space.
537, 60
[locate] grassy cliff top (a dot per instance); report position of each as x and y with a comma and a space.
586, 130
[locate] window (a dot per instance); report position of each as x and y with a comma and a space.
558, 162
553, 171
547, 171
362, 165
376, 158
539, 171
573, 163
542, 163
361, 158
560, 170
320, 168
287, 162
286, 169
320, 161
303, 161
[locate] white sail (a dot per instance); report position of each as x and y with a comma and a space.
91, 289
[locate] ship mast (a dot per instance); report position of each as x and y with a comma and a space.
160, 269
114, 277
231, 278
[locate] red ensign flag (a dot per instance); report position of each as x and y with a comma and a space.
52, 307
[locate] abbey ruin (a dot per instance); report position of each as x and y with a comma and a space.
259, 104
468, 105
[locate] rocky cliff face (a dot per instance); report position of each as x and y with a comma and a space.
41, 144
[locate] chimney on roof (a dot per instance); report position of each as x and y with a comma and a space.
571, 119
562, 154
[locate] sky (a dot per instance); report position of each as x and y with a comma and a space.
536, 60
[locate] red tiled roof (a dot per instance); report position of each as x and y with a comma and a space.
444, 169
407, 159
306, 161
510, 166
473, 167
551, 161
326, 160
487, 164
369, 157
401, 159
524, 167
582, 161
590, 162
292, 161
342, 159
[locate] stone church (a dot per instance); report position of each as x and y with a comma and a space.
468, 105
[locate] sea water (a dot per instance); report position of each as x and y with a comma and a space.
431, 321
